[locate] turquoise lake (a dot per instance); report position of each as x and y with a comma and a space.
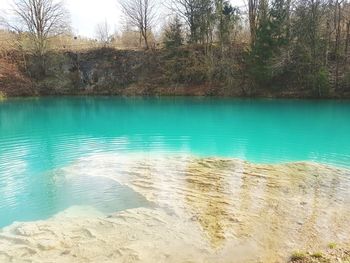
39, 136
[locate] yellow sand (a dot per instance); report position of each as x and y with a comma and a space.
204, 210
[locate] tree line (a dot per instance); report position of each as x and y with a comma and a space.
301, 42
264, 44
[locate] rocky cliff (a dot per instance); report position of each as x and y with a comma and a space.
129, 72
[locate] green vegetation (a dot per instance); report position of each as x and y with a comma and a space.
332, 245
333, 254
272, 47
317, 255
297, 256
2, 96
173, 35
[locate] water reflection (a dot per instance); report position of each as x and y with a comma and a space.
264, 131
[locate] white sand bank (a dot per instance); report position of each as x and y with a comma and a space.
205, 210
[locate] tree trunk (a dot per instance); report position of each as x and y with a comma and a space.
347, 40
337, 42
252, 6
145, 38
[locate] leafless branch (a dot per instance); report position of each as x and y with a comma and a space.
40, 19
140, 14
102, 33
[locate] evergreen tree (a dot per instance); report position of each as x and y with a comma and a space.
227, 16
309, 50
271, 38
173, 35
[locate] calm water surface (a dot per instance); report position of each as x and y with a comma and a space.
39, 136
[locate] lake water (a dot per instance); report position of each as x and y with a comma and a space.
40, 136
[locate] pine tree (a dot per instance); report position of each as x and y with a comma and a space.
173, 35
271, 37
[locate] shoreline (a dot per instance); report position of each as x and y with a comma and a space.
219, 207
156, 95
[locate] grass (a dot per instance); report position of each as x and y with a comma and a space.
2, 96
332, 245
297, 256
335, 253
317, 255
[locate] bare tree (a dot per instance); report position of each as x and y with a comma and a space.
40, 20
338, 17
189, 10
347, 40
140, 14
198, 16
253, 19
103, 34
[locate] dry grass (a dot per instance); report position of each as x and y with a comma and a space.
7, 41
297, 256
126, 41
11, 41
331, 255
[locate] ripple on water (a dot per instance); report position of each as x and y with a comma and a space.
44, 195
43, 135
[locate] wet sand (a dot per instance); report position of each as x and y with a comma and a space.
203, 210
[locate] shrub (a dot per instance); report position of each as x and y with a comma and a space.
322, 81
319, 81
345, 82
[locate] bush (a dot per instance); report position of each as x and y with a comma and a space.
185, 66
319, 82
345, 82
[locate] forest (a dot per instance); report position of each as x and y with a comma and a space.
297, 48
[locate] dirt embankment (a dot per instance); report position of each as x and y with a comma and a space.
128, 72
13, 81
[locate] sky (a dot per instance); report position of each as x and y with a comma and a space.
86, 14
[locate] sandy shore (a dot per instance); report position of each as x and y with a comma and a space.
203, 210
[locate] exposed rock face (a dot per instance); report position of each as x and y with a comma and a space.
114, 72
205, 210
107, 71
104, 71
